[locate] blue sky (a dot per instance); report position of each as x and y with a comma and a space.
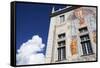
32, 19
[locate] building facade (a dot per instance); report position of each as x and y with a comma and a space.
72, 35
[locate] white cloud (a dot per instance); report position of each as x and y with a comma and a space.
30, 52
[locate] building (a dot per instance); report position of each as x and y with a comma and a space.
72, 35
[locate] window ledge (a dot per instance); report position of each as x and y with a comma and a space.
88, 54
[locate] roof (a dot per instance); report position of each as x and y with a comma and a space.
64, 11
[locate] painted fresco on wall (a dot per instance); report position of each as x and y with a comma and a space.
74, 46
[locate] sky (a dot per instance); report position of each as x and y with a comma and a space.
32, 19
32, 26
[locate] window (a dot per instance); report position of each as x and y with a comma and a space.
61, 47
84, 49
90, 51
60, 36
86, 45
85, 42
62, 18
82, 30
84, 37
61, 43
61, 53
